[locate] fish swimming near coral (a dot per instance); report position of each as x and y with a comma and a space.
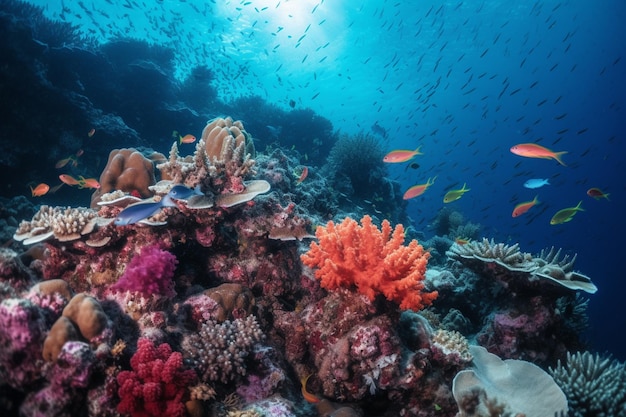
566, 215
39, 190
144, 209
536, 183
401, 155
597, 193
454, 195
532, 150
311, 398
418, 189
522, 208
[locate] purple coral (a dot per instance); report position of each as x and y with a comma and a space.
149, 273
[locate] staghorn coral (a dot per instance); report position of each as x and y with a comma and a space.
157, 384
62, 223
218, 350
595, 386
375, 261
126, 170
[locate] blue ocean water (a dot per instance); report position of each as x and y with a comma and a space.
464, 80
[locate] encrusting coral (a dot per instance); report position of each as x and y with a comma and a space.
375, 261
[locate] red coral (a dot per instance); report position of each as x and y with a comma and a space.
375, 261
157, 385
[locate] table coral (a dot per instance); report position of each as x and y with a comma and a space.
157, 384
375, 261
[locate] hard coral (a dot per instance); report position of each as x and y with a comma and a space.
375, 261
126, 170
157, 385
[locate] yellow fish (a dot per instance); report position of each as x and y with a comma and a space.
565, 215
454, 195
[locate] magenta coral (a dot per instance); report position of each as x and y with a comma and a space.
149, 273
157, 385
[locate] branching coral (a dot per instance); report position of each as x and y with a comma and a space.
375, 261
218, 351
157, 384
62, 223
595, 386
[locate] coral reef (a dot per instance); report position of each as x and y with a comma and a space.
594, 385
374, 261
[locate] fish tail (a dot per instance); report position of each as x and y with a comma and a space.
536, 199
578, 207
557, 156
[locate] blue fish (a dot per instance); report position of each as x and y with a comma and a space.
536, 183
144, 209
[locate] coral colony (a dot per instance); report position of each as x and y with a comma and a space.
223, 302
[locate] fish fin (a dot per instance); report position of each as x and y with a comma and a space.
557, 156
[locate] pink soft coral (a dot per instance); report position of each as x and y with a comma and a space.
157, 385
375, 261
149, 273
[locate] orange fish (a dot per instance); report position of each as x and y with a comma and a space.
39, 190
187, 139
312, 398
401, 155
88, 183
68, 179
522, 208
597, 193
532, 150
303, 174
419, 189
461, 241
91, 133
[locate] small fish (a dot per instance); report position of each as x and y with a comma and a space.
63, 162
401, 155
565, 215
311, 398
144, 209
412, 165
39, 190
418, 190
91, 133
88, 182
292, 103
303, 174
597, 193
188, 138
532, 150
536, 183
462, 241
454, 195
68, 179
522, 208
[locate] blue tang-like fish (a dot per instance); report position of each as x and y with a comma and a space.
142, 210
536, 183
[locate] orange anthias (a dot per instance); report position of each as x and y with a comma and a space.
418, 190
522, 208
39, 190
311, 398
401, 155
68, 179
532, 150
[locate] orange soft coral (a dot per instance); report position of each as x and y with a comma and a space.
375, 261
